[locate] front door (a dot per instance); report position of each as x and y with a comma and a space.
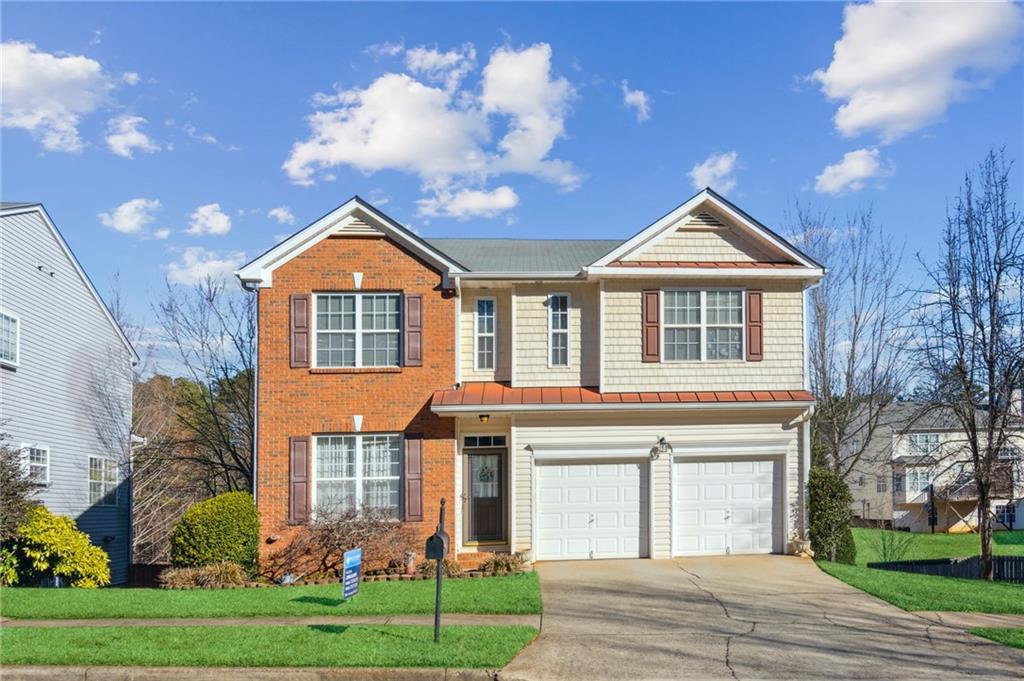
484, 496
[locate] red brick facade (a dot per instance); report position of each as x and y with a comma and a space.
308, 401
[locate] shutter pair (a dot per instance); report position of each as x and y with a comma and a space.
753, 326
299, 330
299, 479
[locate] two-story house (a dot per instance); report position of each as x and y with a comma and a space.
65, 382
572, 399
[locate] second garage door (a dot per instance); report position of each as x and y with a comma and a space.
592, 511
726, 506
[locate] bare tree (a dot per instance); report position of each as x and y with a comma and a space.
971, 325
856, 332
214, 335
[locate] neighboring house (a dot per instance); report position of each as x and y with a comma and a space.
65, 381
917, 450
571, 399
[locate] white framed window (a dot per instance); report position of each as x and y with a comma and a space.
103, 479
357, 329
36, 459
471, 441
558, 330
10, 339
702, 325
881, 483
897, 481
1006, 514
352, 472
484, 328
924, 443
918, 480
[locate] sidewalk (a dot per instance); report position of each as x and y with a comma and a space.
970, 620
26, 673
493, 620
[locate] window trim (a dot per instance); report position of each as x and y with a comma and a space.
17, 340
567, 330
27, 462
881, 484
477, 335
358, 479
357, 330
917, 449
703, 324
918, 472
115, 494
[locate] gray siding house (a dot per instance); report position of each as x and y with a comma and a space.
65, 382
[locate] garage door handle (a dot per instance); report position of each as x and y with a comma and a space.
591, 520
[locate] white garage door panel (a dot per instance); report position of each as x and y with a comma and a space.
591, 511
726, 506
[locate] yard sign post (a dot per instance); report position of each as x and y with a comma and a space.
352, 562
437, 549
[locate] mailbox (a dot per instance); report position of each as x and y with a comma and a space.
437, 546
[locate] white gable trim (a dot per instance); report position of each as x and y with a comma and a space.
260, 271
38, 208
665, 224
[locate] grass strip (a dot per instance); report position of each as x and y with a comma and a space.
1008, 637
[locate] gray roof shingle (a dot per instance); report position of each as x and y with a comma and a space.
524, 255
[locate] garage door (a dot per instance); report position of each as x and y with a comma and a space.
726, 507
591, 511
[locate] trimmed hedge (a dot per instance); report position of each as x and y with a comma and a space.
224, 528
829, 502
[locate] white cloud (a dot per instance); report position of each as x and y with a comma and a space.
899, 65
467, 203
209, 219
850, 174
162, 233
637, 99
197, 264
444, 67
443, 134
717, 171
385, 49
282, 214
124, 136
46, 94
206, 138
130, 78
131, 216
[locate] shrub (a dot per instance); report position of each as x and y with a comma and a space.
450, 566
318, 548
502, 564
51, 544
891, 546
8, 565
16, 490
829, 502
215, 576
224, 528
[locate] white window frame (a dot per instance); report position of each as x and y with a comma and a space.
881, 484
703, 324
115, 493
359, 478
920, 473
916, 448
477, 335
567, 330
27, 461
358, 330
17, 340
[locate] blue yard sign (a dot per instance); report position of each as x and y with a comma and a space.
353, 563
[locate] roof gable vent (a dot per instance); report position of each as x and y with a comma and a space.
703, 220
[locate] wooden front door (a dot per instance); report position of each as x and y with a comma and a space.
484, 496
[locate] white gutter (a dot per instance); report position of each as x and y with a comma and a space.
706, 272
614, 406
577, 274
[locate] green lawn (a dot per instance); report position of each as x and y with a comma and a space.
516, 594
924, 592
279, 646
1008, 637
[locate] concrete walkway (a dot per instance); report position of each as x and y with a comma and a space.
970, 620
739, 617
528, 620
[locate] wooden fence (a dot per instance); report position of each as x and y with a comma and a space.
1004, 568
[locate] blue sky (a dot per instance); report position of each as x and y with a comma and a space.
496, 120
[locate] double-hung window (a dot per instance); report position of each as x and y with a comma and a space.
558, 330
924, 443
357, 329
702, 325
8, 339
918, 480
897, 481
484, 326
354, 472
103, 479
881, 483
37, 463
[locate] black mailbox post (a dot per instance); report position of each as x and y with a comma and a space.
437, 549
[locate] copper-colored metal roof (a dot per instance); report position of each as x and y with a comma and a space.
704, 264
493, 394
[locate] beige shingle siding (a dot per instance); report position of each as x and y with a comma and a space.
781, 369
532, 336
703, 244
503, 335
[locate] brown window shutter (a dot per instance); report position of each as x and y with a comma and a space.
413, 327
299, 328
651, 327
755, 326
413, 477
298, 480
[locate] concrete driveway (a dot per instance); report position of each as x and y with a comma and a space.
738, 617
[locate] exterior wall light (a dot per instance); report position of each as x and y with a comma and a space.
484, 418
663, 447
